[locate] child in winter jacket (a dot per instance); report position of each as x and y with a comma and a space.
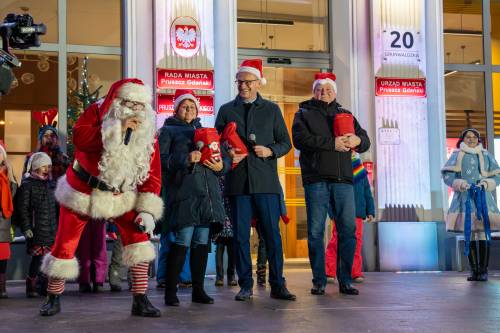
365, 210
36, 210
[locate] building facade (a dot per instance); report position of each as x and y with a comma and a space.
448, 47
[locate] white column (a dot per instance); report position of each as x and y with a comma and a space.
341, 43
436, 106
226, 51
138, 41
363, 91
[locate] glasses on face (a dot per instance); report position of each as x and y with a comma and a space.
247, 83
136, 106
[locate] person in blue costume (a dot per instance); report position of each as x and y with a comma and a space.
473, 174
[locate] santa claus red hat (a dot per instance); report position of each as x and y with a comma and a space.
129, 89
183, 94
325, 78
253, 66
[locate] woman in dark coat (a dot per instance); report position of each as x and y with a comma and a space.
36, 211
192, 196
8, 186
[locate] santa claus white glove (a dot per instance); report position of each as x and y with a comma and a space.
146, 222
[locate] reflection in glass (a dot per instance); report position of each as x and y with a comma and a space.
465, 102
463, 32
283, 25
102, 70
105, 18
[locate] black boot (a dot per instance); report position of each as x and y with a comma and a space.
142, 307
51, 306
3, 282
261, 275
473, 262
31, 287
219, 265
484, 258
175, 261
231, 281
198, 262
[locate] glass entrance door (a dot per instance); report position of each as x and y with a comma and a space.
288, 87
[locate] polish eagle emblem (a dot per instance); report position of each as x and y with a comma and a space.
185, 36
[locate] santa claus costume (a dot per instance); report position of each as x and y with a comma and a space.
110, 179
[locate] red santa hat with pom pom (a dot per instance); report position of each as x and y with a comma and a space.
325, 78
183, 94
253, 66
128, 89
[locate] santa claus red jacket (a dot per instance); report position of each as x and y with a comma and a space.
133, 170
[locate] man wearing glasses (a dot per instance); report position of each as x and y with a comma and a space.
253, 186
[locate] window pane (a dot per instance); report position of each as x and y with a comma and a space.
42, 12
496, 119
465, 103
17, 130
463, 31
94, 22
495, 32
102, 70
35, 89
283, 25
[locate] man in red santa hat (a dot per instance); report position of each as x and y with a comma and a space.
115, 176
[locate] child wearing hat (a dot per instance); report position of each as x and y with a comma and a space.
36, 210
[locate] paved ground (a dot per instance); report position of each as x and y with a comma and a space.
389, 302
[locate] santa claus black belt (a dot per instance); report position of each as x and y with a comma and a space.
92, 181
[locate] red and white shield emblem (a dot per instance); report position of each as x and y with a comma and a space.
185, 36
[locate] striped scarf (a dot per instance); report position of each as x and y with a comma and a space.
358, 170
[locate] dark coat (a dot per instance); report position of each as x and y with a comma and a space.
36, 209
312, 133
364, 199
192, 195
5, 236
254, 174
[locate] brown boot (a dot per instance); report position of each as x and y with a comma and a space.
3, 280
31, 287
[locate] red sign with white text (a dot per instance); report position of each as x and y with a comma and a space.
399, 87
166, 104
185, 79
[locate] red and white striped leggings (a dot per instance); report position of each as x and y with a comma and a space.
139, 280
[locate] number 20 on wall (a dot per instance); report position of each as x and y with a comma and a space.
402, 40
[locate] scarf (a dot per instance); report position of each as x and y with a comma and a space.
6, 196
358, 170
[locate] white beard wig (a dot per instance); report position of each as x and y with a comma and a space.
126, 166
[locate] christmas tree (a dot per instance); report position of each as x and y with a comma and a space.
78, 101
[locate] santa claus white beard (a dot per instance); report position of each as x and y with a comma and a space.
126, 166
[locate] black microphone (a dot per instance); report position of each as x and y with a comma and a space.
252, 139
128, 134
199, 147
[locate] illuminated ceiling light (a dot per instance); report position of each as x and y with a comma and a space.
264, 21
448, 73
2, 122
462, 32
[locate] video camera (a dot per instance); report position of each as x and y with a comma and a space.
18, 32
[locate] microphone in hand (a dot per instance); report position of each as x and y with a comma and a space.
252, 139
128, 134
199, 147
